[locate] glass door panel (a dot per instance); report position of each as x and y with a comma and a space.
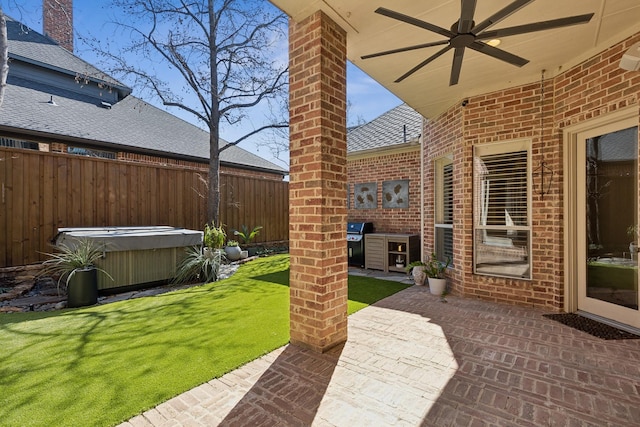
609, 283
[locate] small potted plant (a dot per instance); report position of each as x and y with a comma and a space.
417, 270
213, 239
246, 235
74, 264
232, 250
435, 270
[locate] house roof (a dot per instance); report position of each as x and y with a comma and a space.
30, 46
130, 124
427, 90
396, 127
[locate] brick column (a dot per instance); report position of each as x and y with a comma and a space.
317, 188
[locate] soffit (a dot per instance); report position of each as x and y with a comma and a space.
428, 90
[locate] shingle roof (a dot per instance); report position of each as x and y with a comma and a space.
30, 46
129, 125
387, 130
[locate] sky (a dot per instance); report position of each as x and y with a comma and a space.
366, 97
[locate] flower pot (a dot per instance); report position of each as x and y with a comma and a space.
233, 252
82, 288
437, 286
418, 275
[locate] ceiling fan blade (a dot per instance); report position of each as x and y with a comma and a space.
500, 15
413, 21
536, 26
466, 16
423, 63
498, 53
405, 49
456, 66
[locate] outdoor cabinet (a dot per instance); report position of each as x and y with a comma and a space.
374, 251
391, 252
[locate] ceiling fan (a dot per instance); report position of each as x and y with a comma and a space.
465, 33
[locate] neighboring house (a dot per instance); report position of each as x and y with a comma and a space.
530, 150
57, 102
385, 154
147, 167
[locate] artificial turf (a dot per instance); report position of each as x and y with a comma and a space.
102, 365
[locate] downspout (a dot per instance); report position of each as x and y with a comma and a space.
422, 154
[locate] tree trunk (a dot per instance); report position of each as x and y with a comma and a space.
4, 55
213, 204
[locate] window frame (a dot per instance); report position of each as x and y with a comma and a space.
439, 222
498, 148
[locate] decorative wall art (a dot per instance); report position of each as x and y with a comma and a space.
395, 194
365, 196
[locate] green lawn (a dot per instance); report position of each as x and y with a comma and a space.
101, 365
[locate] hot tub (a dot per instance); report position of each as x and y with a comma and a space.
134, 256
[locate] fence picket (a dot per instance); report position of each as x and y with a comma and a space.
43, 191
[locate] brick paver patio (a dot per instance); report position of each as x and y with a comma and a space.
412, 360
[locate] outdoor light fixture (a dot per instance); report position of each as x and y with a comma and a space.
631, 59
494, 42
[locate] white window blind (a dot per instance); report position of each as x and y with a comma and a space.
501, 210
444, 210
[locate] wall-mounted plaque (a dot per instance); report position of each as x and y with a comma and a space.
365, 195
395, 194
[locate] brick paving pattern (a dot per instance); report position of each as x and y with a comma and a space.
412, 360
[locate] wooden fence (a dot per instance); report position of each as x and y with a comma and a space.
41, 192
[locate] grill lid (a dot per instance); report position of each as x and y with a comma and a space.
359, 227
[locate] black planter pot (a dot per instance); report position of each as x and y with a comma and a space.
82, 288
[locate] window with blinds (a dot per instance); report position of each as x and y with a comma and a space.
91, 153
501, 210
17, 143
444, 209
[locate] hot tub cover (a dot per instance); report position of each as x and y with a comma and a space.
131, 238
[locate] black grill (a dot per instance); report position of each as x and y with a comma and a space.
355, 241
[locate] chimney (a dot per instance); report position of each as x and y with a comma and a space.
57, 18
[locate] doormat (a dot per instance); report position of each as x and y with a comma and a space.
592, 327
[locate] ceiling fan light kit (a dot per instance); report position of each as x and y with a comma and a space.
465, 33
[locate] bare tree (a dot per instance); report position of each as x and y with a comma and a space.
4, 55
214, 59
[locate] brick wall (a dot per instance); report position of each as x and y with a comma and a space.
57, 147
317, 194
394, 165
443, 136
57, 17
595, 87
224, 169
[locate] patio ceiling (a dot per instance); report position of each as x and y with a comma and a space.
428, 90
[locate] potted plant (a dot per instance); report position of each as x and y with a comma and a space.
213, 239
246, 236
232, 250
435, 270
417, 270
632, 231
74, 264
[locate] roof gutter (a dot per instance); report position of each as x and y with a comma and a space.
122, 89
410, 145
